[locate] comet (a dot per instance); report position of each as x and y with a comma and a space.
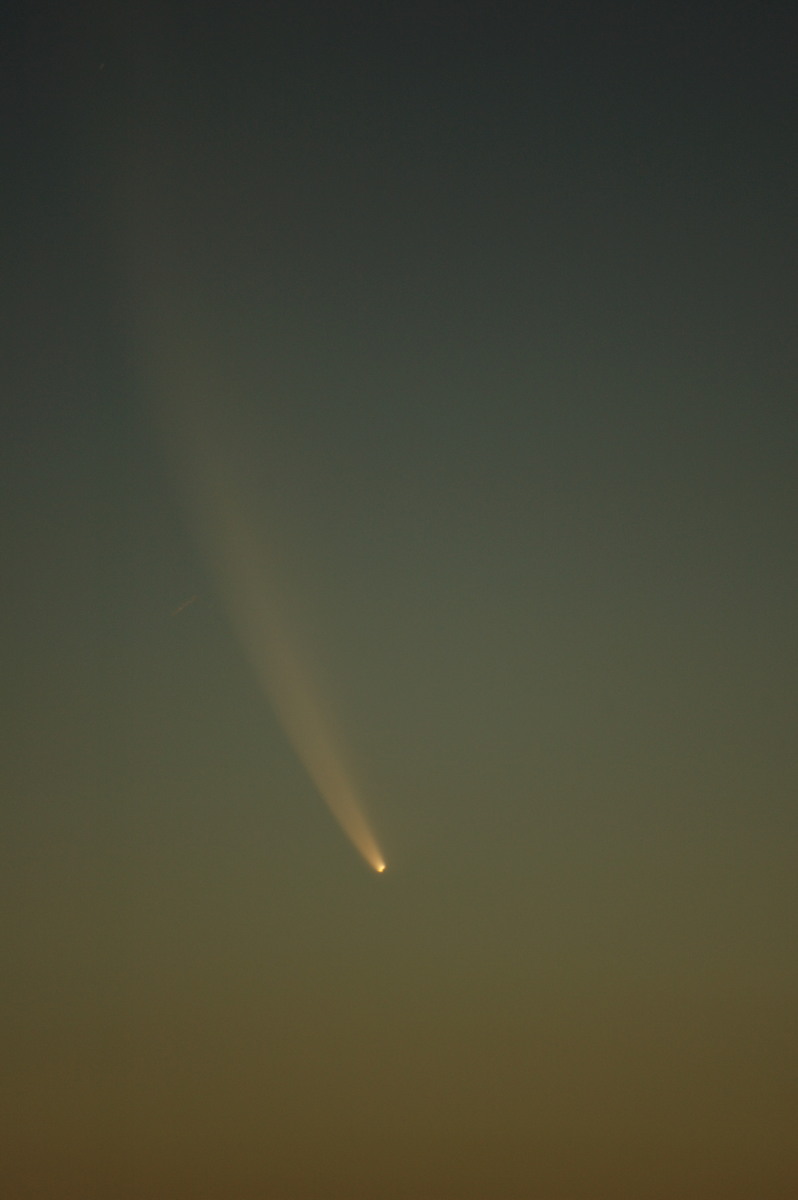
247, 579
190, 402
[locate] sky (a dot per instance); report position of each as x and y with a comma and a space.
398, 468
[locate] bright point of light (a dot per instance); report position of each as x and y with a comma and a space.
380, 868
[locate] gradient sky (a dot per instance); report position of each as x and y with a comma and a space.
486, 316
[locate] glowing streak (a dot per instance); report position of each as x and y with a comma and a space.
167, 324
250, 592
186, 604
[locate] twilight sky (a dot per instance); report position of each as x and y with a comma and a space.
399, 403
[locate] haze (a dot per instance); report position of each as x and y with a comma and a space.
494, 309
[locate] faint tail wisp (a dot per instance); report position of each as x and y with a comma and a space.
247, 580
